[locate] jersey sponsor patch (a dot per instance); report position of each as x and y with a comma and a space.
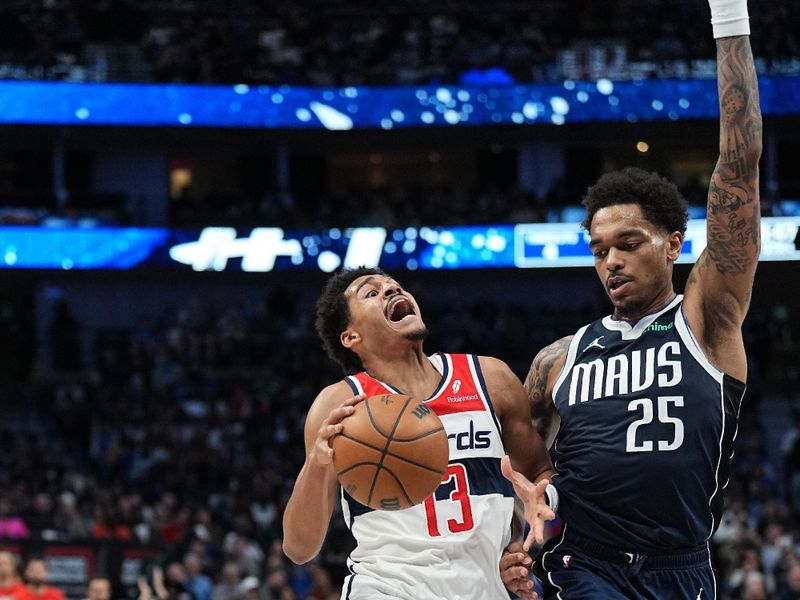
464, 401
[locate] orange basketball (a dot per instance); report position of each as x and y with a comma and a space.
391, 453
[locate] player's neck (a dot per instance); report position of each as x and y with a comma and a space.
658, 303
410, 372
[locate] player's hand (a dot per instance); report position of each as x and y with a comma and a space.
533, 498
323, 453
515, 566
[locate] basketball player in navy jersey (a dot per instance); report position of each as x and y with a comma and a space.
449, 546
645, 401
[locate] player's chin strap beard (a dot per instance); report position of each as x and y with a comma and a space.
632, 311
416, 336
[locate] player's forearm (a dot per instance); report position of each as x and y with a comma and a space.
740, 140
733, 212
308, 513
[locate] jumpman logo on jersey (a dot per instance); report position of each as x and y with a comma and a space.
456, 386
595, 344
700, 593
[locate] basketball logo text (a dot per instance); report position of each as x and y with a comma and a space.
390, 503
421, 410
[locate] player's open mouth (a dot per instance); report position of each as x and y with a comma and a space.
399, 308
617, 285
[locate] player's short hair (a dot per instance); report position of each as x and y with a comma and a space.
333, 316
659, 199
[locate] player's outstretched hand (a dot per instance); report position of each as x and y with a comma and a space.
515, 566
533, 498
323, 453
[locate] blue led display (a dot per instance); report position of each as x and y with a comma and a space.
52, 103
265, 249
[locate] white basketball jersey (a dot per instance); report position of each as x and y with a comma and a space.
449, 546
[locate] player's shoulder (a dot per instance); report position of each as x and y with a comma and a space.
501, 381
329, 398
494, 368
335, 393
548, 362
555, 350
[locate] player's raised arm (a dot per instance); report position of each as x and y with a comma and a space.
308, 512
539, 384
719, 288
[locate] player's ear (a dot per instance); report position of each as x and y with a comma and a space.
674, 245
349, 337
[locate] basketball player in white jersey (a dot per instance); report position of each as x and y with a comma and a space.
450, 545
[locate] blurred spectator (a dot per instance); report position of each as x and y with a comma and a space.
790, 590
99, 588
196, 582
306, 43
36, 587
229, 585
250, 589
10, 584
11, 525
69, 520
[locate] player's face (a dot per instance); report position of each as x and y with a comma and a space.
633, 259
379, 306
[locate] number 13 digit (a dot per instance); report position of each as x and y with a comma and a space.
460, 494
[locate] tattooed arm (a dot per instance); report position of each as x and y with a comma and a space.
539, 384
720, 284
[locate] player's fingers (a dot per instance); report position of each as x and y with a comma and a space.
523, 588
538, 529
506, 468
518, 480
529, 539
509, 559
355, 400
326, 432
512, 577
324, 448
334, 420
341, 412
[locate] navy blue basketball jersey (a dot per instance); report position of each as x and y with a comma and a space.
646, 439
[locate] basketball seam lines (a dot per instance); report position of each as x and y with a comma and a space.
389, 453
386, 447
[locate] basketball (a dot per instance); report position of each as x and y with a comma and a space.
391, 453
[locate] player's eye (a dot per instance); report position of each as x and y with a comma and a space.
372, 293
600, 253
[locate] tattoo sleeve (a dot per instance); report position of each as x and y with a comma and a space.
733, 213
543, 410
